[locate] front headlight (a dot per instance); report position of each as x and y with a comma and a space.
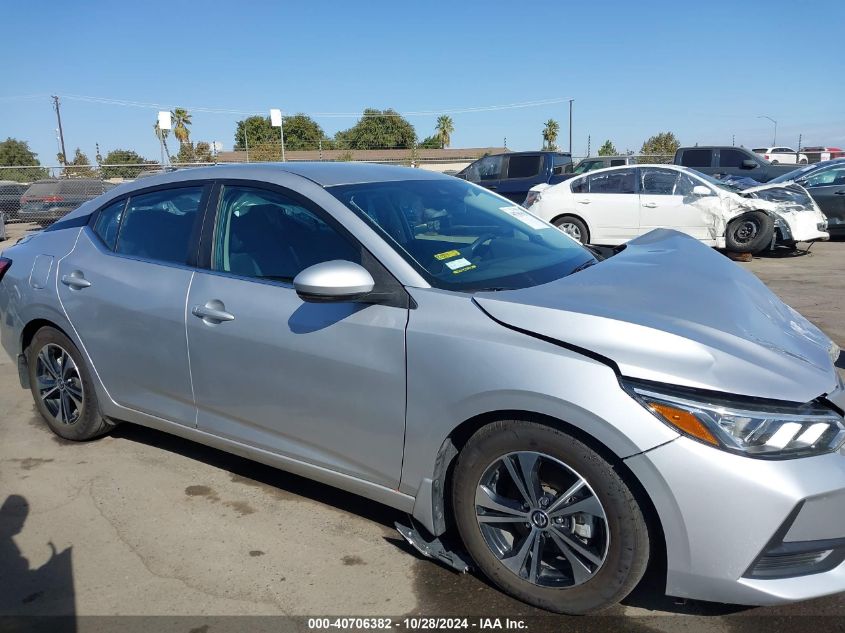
743, 425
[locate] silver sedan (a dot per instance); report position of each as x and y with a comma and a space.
551, 416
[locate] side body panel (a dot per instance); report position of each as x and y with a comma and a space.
462, 364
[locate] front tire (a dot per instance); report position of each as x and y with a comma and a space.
547, 519
573, 227
750, 232
61, 387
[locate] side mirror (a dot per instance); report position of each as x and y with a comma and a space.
749, 164
336, 280
701, 190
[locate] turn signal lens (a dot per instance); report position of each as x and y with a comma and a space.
685, 421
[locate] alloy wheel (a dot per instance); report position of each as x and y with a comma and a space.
571, 230
542, 520
59, 384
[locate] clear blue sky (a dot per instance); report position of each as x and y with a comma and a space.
702, 70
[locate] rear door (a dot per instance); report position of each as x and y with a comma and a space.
666, 201
521, 172
124, 288
608, 201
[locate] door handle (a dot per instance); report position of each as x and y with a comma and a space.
584, 201
841, 192
76, 280
650, 205
213, 312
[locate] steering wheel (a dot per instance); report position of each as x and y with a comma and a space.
484, 237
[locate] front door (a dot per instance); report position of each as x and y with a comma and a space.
827, 186
323, 383
666, 201
124, 288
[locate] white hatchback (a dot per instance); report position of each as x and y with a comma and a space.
611, 206
778, 155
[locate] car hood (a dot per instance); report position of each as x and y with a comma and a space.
668, 308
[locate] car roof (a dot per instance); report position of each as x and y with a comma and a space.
620, 167
325, 174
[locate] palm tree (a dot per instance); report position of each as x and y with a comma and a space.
443, 130
181, 121
161, 135
550, 132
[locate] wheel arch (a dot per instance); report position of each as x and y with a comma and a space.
433, 509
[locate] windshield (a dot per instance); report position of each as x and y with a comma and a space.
795, 174
588, 165
462, 237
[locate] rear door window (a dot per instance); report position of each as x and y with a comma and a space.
617, 181
487, 168
158, 226
696, 158
524, 166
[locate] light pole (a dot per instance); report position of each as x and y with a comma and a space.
164, 124
570, 126
277, 121
775, 137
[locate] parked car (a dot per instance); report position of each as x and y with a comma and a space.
573, 417
825, 182
785, 155
718, 161
46, 201
511, 175
10, 198
611, 206
600, 162
819, 153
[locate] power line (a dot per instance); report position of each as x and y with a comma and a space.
209, 110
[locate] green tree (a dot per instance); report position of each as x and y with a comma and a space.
378, 129
301, 133
429, 142
181, 123
443, 130
550, 131
202, 152
15, 153
124, 163
190, 153
608, 149
255, 135
80, 166
664, 144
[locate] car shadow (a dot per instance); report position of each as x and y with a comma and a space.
261, 474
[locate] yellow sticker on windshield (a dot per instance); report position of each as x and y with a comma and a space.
447, 255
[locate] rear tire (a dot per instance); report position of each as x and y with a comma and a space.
750, 232
573, 227
61, 387
587, 559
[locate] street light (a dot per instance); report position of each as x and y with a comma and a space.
164, 124
276, 121
775, 137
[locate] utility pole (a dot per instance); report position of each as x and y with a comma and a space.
57, 106
570, 126
506, 142
588, 144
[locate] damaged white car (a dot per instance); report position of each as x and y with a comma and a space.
611, 206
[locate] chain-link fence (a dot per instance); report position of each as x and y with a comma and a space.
42, 194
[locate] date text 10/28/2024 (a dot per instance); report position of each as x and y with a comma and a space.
417, 624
